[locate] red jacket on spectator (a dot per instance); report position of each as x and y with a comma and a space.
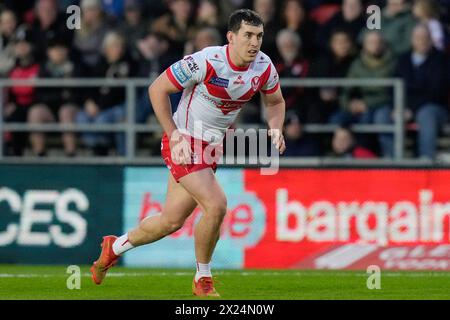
23, 95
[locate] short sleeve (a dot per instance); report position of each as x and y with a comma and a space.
188, 71
272, 83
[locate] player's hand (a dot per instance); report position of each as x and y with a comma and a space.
180, 149
277, 139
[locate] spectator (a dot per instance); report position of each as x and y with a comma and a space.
334, 63
155, 58
107, 104
267, 11
90, 36
293, 65
8, 25
350, 18
21, 97
294, 17
56, 103
344, 146
132, 27
209, 15
427, 12
178, 25
398, 22
425, 72
205, 37
298, 144
369, 104
47, 26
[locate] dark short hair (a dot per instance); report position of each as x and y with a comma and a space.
244, 15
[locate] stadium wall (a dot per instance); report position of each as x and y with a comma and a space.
298, 219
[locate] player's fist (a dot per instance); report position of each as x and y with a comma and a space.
180, 148
277, 139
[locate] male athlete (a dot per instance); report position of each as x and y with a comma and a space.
216, 82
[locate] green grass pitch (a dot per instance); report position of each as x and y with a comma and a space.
49, 282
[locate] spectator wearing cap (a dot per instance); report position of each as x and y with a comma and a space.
178, 25
88, 39
56, 103
48, 25
106, 105
132, 27
344, 145
20, 98
8, 26
333, 63
298, 143
425, 71
350, 18
367, 105
294, 17
293, 65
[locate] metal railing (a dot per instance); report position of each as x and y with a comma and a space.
130, 128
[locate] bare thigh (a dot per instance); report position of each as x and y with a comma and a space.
179, 203
203, 186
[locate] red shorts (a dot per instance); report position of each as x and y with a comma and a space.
200, 159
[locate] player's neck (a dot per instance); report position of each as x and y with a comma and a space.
235, 59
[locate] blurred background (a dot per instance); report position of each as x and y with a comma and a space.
367, 131
314, 44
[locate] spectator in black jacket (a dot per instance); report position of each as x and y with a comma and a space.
56, 103
107, 104
425, 72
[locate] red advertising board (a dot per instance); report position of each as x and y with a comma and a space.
349, 219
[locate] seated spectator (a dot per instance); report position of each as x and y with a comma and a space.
132, 27
8, 25
369, 104
294, 17
107, 104
298, 143
397, 23
21, 97
48, 25
209, 15
350, 18
56, 103
425, 71
293, 65
88, 39
155, 58
334, 63
267, 11
344, 146
427, 12
178, 25
205, 37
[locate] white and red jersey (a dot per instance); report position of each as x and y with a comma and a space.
214, 90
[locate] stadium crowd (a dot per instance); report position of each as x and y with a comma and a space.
304, 38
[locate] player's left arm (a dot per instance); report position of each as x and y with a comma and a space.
275, 112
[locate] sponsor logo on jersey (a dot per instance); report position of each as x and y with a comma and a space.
255, 83
180, 71
191, 64
220, 82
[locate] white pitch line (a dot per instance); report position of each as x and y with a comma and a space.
243, 273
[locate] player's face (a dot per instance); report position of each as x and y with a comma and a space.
247, 42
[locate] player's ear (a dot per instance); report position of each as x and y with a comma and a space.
230, 36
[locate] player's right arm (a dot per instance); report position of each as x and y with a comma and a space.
187, 72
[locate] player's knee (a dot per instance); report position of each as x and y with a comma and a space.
172, 225
217, 207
